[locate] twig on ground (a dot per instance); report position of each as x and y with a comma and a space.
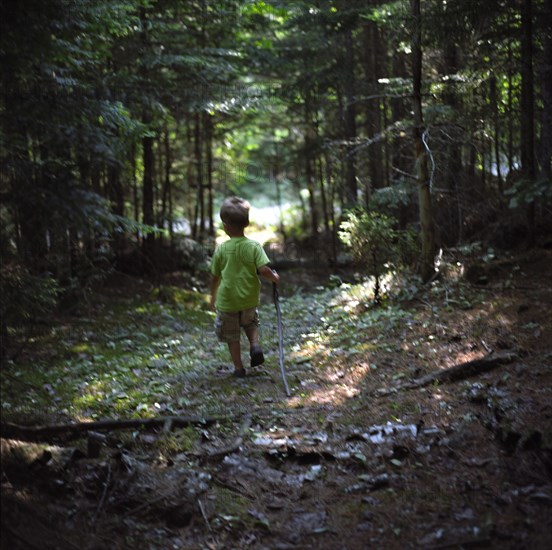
202, 510
234, 446
104, 493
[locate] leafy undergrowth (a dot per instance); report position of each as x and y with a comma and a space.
348, 461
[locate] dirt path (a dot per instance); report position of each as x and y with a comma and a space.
344, 463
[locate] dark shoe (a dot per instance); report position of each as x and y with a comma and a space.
239, 373
257, 357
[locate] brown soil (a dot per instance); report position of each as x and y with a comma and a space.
343, 463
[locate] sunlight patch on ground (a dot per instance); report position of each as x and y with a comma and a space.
336, 386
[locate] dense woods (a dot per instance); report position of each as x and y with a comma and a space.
397, 155
123, 122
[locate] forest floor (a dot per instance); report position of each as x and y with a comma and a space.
353, 459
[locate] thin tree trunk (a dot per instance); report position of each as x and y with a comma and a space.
167, 191
351, 188
191, 202
372, 68
200, 205
453, 162
323, 199
309, 172
546, 91
208, 122
331, 204
134, 183
510, 108
147, 191
117, 199
422, 173
527, 109
148, 218
387, 178
166, 204
399, 112
496, 133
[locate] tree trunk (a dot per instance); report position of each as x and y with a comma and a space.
496, 132
331, 204
323, 199
373, 63
422, 174
453, 161
191, 191
148, 218
351, 189
208, 123
510, 108
546, 90
200, 208
527, 109
399, 112
147, 192
309, 160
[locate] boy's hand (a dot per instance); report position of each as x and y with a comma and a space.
269, 274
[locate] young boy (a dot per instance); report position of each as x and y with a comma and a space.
235, 286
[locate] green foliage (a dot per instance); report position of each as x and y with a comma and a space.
120, 361
85, 81
295, 223
375, 243
392, 197
25, 299
525, 192
371, 238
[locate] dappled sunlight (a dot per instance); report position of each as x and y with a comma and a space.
335, 394
394, 390
353, 295
261, 234
350, 419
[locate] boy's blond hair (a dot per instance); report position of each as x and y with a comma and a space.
235, 212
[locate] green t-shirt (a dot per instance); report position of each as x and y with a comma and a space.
236, 262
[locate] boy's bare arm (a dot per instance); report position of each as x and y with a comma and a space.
269, 274
215, 282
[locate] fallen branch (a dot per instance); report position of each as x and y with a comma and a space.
457, 372
465, 370
74, 430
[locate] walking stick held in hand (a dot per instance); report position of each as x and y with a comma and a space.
280, 336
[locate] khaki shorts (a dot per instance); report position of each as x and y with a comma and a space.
228, 325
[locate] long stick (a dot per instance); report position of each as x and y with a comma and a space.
43, 433
280, 337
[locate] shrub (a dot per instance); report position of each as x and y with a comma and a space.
375, 244
24, 299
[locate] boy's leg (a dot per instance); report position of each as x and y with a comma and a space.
255, 350
235, 353
252, 333
227, 329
